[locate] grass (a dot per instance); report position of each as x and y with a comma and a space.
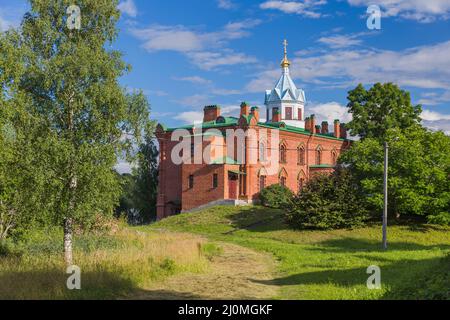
331, 264
112, 265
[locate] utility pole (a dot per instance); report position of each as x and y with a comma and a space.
385, 209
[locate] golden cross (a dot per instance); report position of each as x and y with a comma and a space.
285, 43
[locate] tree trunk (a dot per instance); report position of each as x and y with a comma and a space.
68, 229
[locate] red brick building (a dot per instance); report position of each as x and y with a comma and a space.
206, 165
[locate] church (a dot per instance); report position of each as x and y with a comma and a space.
302, 149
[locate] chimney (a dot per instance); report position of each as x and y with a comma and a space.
317, 128
343, 131
255, 112
337, 129
312, 124
324, 127
211, 113
307, 124
276, 117
245, 109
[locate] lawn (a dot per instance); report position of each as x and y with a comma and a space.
331, 264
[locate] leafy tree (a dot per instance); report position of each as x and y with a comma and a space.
21, 172
275, 196
419, 171
328, 202
146, 179
70, 78
380, 108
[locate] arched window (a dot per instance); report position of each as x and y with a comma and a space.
262, 176
319, 155
301, 184
301, 180
282, 177
301, 155
262, 152
262, 182
283, 155
333, 157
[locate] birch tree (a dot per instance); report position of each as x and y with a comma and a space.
71, 80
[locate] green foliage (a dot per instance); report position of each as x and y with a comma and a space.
442, 218
382, 107
146, 179
61, 103
328, 202
275, 196
419, 167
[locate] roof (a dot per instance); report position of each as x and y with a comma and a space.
233, 121
321, 166
220, 122
225, 160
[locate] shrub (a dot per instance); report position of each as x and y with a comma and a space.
328, 202
443, 218
275, 196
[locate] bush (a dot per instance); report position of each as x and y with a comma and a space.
275, 196
443, 218
328, 202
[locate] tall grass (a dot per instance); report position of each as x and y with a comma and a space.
112, 266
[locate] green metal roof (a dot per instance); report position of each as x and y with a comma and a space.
321, 166
225, 160
232, 121
229, 121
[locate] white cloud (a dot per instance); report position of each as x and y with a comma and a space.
128, 7
226, 4
421, 67
195, 100
420, 10
434, 116
341, 41
305, 8
207, 50
190, 117
211, 60
329, 112
194, 79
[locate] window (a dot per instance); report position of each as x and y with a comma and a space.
215, 180
262, 151
319, 156
288, 111
301, 156
299, 114
301, 184
283, 181
274, 112
262, 182
283, 155
333, 157
191, 181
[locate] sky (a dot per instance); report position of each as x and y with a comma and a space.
188, 54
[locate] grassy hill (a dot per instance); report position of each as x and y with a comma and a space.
331, 264
231, 253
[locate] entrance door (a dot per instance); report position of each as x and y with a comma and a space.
232, 185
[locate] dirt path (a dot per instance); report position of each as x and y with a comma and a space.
232, 276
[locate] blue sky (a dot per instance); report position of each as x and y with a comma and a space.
188, 54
